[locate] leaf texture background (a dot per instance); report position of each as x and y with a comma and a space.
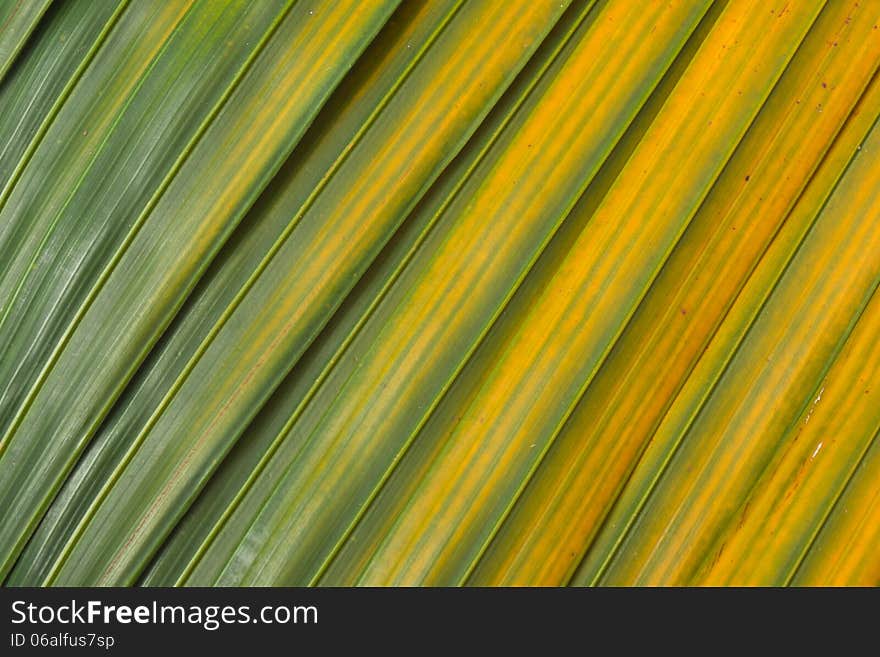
439, 292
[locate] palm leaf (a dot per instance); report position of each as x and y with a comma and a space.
17, 21
439, 292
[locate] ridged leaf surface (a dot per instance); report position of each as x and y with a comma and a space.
439, 292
